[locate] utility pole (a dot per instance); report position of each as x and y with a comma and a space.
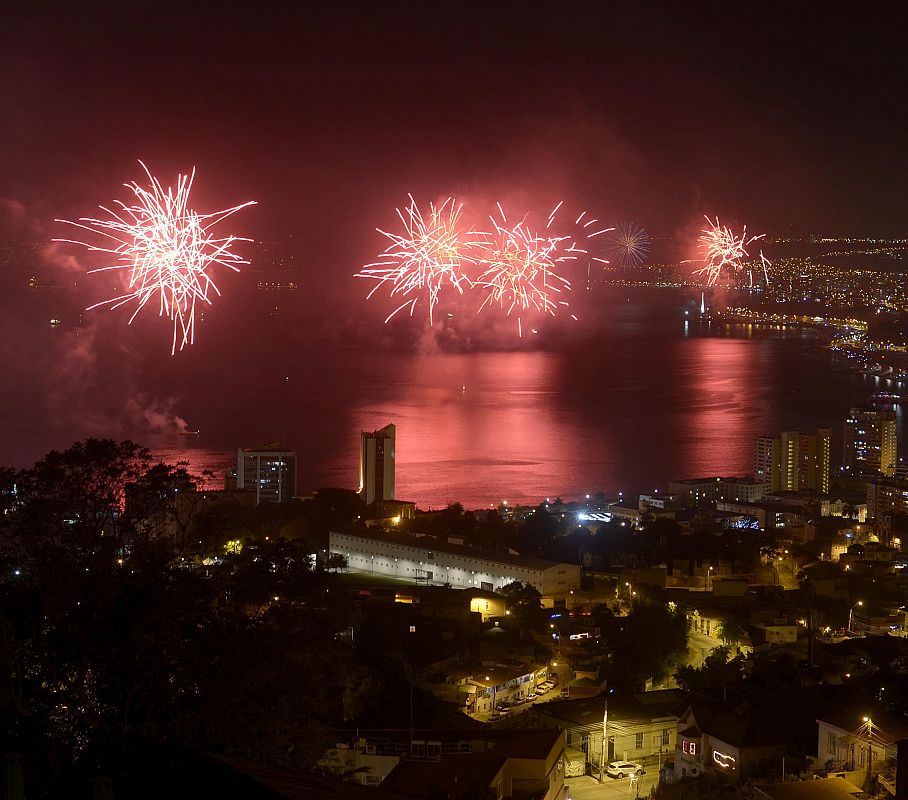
602, 750
869, 752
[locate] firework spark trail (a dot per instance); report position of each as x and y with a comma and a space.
431, 254
722, 250
630, 244
518, 269
167, 250
514, 265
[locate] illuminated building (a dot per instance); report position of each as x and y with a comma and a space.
718, 488
813, 460
268, 471
871, 443
793, 460
424, 561
376, 464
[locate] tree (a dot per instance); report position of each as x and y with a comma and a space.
336, 561
523, 601
540, 528
112, 642
657, 637
731, 631
718, 669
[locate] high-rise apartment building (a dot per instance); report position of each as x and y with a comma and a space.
268, 471
768, 461
376, 464
793, 460
871, 442
814, 460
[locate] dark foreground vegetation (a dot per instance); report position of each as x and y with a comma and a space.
135, 627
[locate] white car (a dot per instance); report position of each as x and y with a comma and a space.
618, 769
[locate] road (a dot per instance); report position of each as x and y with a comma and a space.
589, 788
699, 647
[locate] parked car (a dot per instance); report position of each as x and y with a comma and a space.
618, 769
531, 695
495, 716
502, 706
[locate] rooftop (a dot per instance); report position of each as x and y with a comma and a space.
467, 774
820, 789
624, 708
428, 543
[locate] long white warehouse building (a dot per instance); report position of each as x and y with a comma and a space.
427, 561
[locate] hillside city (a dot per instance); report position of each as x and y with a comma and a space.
746, 630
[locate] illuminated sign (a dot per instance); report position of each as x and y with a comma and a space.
689, 747
724, 760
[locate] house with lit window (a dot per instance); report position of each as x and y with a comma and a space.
735, 739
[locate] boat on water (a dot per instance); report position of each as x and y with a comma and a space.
889, 398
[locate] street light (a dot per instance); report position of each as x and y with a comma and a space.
851, 613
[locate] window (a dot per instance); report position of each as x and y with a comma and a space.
831, 744
638, 744
666, 736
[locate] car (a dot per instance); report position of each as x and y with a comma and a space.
531, 696
618, 769
547, 686
495, 716
502, 706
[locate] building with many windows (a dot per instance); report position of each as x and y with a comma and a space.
871, 442
428, 561
793, 460
718, 488
269, 471
376, 464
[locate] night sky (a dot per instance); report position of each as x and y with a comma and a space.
789, 119
785, 117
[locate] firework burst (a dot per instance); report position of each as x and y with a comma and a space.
431, 254
166, 250
629, 244
724, 251
518, 268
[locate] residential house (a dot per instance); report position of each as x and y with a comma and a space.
854, 738
638, 727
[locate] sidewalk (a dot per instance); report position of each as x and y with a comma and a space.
589, 788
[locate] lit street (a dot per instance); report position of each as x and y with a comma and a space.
589, 788
699, 647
